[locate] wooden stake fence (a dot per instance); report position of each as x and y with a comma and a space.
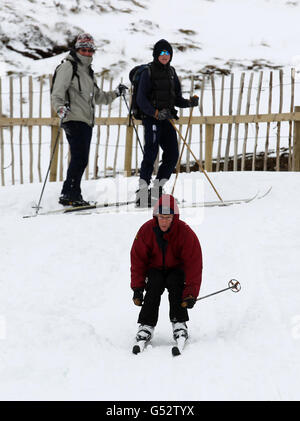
21, 130
26, 145
296, 154
268, 124
291, 123
221, 125
247, 124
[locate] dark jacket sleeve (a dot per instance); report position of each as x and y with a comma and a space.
143, 93
139, 257
179, 100
192, 261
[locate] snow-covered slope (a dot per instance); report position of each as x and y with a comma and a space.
224, 34
67, 321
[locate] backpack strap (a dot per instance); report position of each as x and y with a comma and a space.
75, 67
92, 74
74, 73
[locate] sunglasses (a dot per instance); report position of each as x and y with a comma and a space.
87, 50
164, 53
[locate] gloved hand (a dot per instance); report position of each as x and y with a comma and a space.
164, 114
194, 101
138, 297
62, 111
120, 89
188, 302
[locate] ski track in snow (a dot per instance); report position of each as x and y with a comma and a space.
70, 322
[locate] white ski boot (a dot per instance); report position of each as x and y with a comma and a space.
143, 336
180, 335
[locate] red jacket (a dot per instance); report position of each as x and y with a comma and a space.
183, 250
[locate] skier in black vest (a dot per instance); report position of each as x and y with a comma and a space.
158, 93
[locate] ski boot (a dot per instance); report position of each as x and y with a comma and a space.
155, 192
70, 200
180, 335
65, 200
143, 195
179, 329
79, 201
143, 336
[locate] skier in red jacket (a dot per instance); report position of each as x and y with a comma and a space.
166, 254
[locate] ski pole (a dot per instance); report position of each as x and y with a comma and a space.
198, 162
181, 153
233, 285
51, 159
130, 120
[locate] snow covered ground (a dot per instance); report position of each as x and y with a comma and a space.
67, 321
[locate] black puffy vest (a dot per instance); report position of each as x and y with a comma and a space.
163, 86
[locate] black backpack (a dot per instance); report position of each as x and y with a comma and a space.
134, 77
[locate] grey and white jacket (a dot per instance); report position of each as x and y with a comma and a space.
82, 94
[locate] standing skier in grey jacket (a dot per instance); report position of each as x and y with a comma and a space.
74, 95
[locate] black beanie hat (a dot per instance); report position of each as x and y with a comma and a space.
161, 45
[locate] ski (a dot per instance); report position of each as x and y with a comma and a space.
180, 344
99, 206
183, 204
79, 208
219, 202
265, 194
229, 202
106, 207
72, 209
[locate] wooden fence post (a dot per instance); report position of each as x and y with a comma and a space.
11, 114
54, 134
53, 168
227, 149
128, 150
296, 148
30, 128
21, 130
209, 140
290, 160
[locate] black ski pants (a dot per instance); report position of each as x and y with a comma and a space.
79, 137
159, 133
158, 280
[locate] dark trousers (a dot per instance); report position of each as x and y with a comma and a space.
159, 133
79, 137
158, 280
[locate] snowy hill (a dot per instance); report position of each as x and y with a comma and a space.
67, 321
207, 36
